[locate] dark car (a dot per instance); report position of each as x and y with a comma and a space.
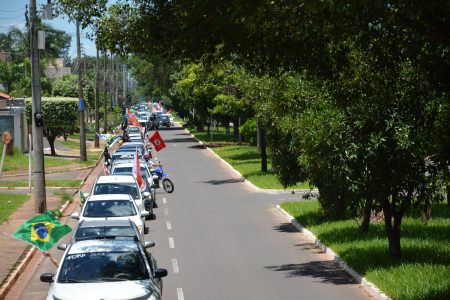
153, 122
124, 123
163, 120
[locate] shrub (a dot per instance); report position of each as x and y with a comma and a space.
250, 131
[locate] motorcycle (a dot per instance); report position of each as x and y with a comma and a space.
167, 184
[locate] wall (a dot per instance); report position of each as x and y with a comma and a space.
17, 127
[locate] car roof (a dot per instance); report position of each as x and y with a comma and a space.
129, 144
109, 197
104, 223
89, 246
126, 164
116, 178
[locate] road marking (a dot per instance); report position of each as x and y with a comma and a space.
175, 266
168, 225
164, 200
180, 294
166, 211
171, 243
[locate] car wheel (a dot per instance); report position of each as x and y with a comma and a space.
155, 205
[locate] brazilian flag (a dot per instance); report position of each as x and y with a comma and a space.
82, 198
42, 231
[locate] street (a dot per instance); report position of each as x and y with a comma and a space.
219, 239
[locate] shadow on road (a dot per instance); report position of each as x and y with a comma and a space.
326, 271
285, 227
219, 182
197, 147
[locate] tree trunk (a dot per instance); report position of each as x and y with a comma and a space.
263, 149
448, 193
209, 127
393, 231
366, 216
51, 141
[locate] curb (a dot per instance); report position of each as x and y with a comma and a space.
16, 274
23, 265
243, 179
368, 286
18, 175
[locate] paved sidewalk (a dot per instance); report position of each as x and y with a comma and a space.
11, 249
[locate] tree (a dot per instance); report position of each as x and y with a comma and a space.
58, 114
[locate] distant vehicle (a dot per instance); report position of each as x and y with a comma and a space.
163, 121
106, 269
139, 145
112, 207
170, 118
153, 123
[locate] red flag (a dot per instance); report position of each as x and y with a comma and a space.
154, 110
137, 169
169, 111
157, 141
105, 169
132, 120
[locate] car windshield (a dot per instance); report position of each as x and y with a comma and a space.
127, 146
122, 155
117, 188
90, 233
134, 129
109, 208
142, 124
103, 266
130, 169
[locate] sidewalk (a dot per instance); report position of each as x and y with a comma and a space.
13, 250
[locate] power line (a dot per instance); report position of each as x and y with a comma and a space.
11, 18
10, 11
12, 26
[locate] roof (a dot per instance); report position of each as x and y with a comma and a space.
109, 197
105, 223
116, 179
90, 246
4, 96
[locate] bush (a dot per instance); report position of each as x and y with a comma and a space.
250, 131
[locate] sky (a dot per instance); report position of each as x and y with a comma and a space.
12, 13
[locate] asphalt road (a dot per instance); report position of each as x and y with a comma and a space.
219, 239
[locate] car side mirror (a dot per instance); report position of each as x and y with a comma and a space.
149, 244
47, 277
154, 186
145, 213
75, 216
160, 273
146, 194
86, 195
62, 247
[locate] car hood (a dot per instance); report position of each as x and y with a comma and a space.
117, 290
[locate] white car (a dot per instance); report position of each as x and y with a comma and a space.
119, 184
170, 118
105, 269
112, 207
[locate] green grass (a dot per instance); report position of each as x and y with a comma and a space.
64, 197
89, 136
48, 183
422, 273
94, 155
71, 144
218, 136
9, 203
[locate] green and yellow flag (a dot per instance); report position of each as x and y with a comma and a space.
82, 198
42, 231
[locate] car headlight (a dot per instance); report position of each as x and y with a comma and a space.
139, 228
140, 207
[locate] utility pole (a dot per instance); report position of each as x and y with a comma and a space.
111, 89
117, 81
83, 153
40, 205
97, 100
124, 92
105, 112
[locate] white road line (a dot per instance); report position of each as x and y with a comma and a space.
166, 211
168, 225
180, 294
175, 266
164, 200
171, 243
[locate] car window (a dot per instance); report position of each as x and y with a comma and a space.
130, 169
109, 208
134, 129
118, 188
95, 266
90, 233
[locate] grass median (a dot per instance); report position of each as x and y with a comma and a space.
244, 158
9, 203
48, 183
422, 273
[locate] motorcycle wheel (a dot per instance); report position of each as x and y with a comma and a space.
167, 185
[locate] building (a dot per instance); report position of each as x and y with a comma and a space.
54, 71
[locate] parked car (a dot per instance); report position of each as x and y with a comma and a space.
105, 269
139, 145
163, 121
113, 207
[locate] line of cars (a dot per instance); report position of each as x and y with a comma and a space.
107, 257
